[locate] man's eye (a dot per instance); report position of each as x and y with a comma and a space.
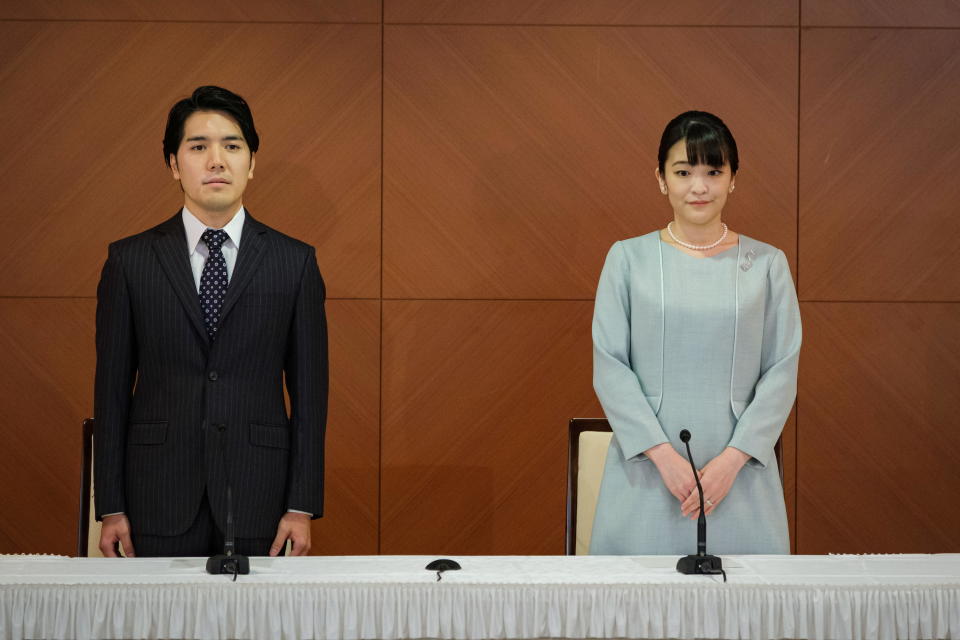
197, 147
233, 147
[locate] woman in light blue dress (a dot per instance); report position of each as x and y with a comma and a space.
695, 327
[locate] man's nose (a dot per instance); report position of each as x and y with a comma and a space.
215, 158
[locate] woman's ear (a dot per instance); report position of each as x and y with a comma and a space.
663, 184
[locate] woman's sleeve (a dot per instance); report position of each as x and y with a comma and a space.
618, 388
762, 421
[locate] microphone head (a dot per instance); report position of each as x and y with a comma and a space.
684, 435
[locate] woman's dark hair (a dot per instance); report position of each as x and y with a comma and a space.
709, 141
208, 98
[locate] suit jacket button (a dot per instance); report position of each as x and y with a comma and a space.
212, 376
220, 426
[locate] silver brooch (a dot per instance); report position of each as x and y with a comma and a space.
748, 260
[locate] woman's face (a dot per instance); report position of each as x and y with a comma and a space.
697, 193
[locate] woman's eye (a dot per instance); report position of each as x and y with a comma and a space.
682, 173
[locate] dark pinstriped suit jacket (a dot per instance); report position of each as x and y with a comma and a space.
169, 405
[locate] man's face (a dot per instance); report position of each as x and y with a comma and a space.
213, 163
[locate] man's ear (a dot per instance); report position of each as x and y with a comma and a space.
253, 162
174, 169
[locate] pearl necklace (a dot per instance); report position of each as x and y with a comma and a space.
698, 247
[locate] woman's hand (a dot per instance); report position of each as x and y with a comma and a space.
674, 470
716, 479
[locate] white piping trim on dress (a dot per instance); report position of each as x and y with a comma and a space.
663, 321
736, 323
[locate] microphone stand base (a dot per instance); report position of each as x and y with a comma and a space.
705, 564
235, 564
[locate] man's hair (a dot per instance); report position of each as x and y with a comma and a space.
208, 98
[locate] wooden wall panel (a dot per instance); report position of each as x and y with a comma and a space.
84, 109
476, 400
878, 445
594, 12
186, 10
514, 157
878, 216
881, 13
46, 389
350, 525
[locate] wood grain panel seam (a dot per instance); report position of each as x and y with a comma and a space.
600, 25
130, 21
893, 301
48, 297
795, 533
380, 363
328, 299
488, 299
884, 27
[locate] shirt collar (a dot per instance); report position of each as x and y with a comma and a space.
194, 228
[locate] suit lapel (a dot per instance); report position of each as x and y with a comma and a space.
253, 246
170, 246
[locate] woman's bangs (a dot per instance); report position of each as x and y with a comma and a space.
705, 146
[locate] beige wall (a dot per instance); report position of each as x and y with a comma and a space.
462, 167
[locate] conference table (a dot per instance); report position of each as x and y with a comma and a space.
393, 597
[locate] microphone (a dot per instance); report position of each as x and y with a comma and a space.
701, 563
228, 562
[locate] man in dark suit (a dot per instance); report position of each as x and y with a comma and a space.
200, 321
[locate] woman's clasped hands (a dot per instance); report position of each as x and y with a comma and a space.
716, 478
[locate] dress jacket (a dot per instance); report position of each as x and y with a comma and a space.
628, 332
178, 415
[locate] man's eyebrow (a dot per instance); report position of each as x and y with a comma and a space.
205, 138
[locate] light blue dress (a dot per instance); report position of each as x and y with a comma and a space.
704, 307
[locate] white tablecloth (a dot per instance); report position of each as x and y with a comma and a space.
900, 596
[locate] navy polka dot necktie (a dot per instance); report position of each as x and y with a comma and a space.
213, 280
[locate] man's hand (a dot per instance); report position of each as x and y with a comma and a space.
116, 529
296, 528
716, 479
